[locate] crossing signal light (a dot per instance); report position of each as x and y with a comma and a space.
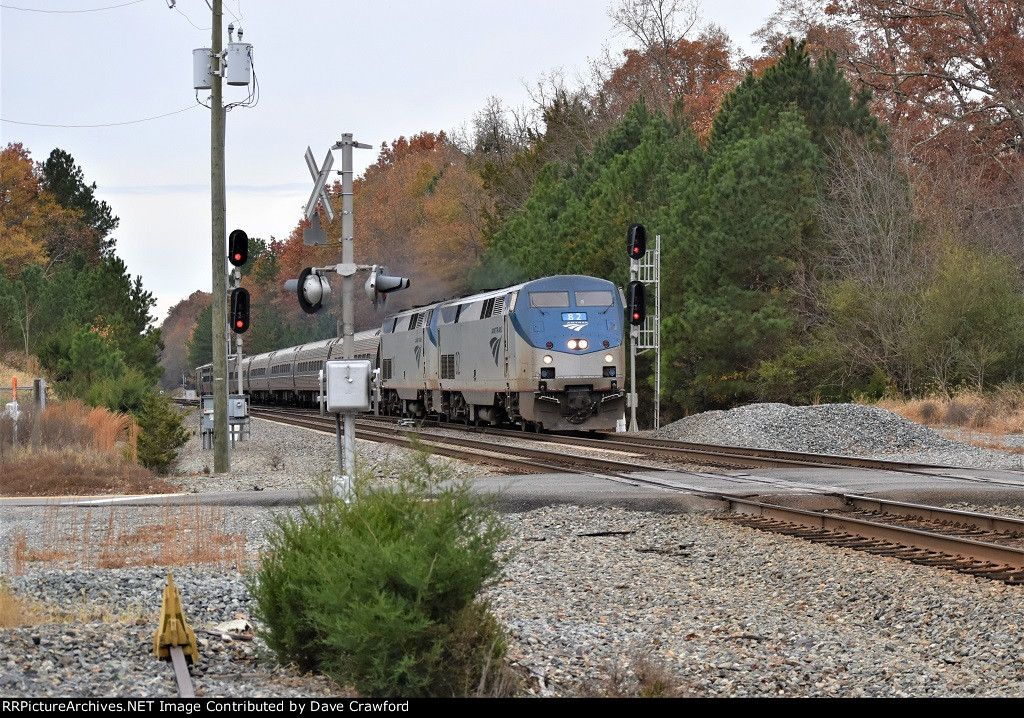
636, 303
636, 241
312, 289
239, 310
380, 283
238, 247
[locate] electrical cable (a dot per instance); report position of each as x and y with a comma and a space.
95, 9
105, 124
178, 10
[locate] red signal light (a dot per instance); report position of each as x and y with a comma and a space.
636, 303
240, 310
636, 241
238, 247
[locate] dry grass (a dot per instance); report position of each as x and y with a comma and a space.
18, 611
70, 473
79, 450
980, 418
118, 537
16, 364
15, 611
646, 678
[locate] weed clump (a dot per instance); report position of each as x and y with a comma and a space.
382, 593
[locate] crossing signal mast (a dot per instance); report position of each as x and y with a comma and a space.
313, 290
645, 328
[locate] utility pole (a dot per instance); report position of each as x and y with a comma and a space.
221, 462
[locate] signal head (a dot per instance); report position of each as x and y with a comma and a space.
239, 310
313, 290
636, 241
238, 247
380, 283
636, 303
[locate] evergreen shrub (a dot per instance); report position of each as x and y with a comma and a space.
161, 433
382, 592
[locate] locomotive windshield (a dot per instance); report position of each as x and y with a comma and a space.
593, 299
549, 299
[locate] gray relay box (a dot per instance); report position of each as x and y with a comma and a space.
348, 385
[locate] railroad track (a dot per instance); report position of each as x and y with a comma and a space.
680, 454
521, 459
968, 542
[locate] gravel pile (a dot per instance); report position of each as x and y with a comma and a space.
592, 597
837, 429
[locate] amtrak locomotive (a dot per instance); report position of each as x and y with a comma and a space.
545, 354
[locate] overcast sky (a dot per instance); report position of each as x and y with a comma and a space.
379, 70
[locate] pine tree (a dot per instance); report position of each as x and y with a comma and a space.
161, 433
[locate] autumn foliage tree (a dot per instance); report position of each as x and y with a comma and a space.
23, 212
418, 210
694, 75
941, 71
64, 295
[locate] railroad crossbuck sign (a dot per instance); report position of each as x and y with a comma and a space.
313, 235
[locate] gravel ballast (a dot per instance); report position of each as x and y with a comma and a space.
591, 596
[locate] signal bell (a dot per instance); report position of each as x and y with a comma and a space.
239, 310
238, 247
636, 303
636, 241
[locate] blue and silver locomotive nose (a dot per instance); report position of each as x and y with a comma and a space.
569, 314
571, 329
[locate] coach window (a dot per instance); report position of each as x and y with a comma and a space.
544, 300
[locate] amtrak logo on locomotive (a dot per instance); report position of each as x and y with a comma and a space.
495, 348
574, 320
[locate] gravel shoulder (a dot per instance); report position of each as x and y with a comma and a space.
591, 596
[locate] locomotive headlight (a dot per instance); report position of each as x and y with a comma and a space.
609, 358
572, 344
547, 359
583, 344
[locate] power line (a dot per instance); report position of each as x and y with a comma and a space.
95, 9
177, 10
106, 124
